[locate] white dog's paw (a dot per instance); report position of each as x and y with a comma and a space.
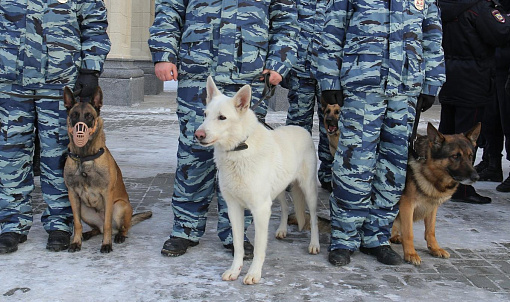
314, 249
252, 278
281, 233
230, 275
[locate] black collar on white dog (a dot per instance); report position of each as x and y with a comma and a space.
240, 147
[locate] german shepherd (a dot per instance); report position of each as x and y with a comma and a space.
96, 189
331, 113
433, 174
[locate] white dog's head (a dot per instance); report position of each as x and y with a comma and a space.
228, 121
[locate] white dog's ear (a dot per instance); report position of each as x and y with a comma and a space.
212, 90
242, 99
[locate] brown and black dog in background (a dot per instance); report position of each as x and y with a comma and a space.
331, 114
93, 178
439, 164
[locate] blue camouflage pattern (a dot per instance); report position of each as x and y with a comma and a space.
304, 92
382, 55
43, 45
233, 41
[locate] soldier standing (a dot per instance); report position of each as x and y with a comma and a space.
45, 45
304, 91
234, 41
379, 57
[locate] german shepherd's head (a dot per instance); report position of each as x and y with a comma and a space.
452, 153
83, 119
331, 114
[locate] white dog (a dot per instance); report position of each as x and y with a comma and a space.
255, 165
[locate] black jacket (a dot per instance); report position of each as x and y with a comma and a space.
472, 29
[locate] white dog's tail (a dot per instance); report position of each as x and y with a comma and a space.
298, 199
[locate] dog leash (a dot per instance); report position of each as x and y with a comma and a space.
39, 96
267, 93
412, 139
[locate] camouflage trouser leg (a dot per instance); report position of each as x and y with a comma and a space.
195, 177
303, 94
369, 169
17, 118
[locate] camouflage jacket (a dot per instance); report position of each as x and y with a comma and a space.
44, 43
390, 47
233, 40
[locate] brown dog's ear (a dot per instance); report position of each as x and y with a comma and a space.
242, 99
69, 99
434, 136
473, 133
97, 99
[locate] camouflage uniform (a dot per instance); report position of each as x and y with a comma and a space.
303, 87
232, 40
43, 44
382, 54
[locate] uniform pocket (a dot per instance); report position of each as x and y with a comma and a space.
362, 62
414, 69
9, 45
252, 53
195, 53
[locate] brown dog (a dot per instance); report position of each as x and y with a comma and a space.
441, 163
96, 189
331, 114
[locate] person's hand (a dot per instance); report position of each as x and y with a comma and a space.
274, 77
87, 82
507, 85
333, 97
427, 101
166, 71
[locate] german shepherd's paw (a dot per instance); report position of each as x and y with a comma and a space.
396, 239
230, 275
412, 258
74, 247
106, 248
439, 253
119, 238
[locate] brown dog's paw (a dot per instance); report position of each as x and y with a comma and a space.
439, 253
412, 258
106, 248
396, 239
74, 247
119, 238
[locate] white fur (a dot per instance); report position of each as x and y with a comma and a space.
254, 177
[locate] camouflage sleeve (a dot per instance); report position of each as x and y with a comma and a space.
333, 37
166, 31
95, 44
433, 51
283, 34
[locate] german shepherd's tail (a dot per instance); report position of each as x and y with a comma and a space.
139, 217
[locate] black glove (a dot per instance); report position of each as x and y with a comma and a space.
87, 82
426, 101
507, 85
333, 97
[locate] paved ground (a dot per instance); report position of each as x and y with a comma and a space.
143, 140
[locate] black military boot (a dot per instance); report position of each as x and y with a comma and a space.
483, 164
248, 250
493, 172
9, 242
467, 193
384, 254
504, 186
176, 246
58, 241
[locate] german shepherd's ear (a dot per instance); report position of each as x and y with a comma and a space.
69, 99
435, 137
242, 99
97, 99
473, 133
212, 90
